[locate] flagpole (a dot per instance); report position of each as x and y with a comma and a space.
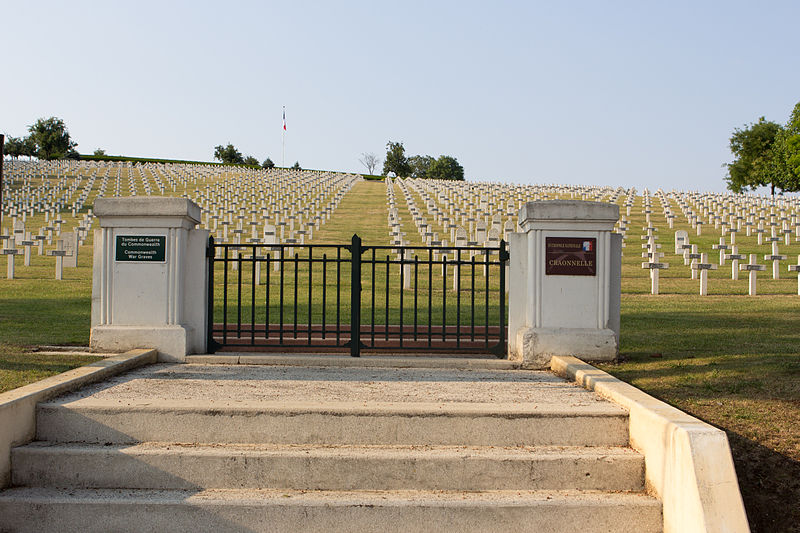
283, 140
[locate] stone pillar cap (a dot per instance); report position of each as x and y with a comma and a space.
568, 211
147, 206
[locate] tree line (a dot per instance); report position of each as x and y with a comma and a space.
444, 167
48, 138
766, 154
230, 155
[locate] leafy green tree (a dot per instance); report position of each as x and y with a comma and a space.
229, 155
99, 151
296, 165
395, 160
268, 163
754, 163
420, 165
786, 152
446, 168
252, 161
28, 147
14, 147
51, 139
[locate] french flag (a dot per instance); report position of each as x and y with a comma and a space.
284, 119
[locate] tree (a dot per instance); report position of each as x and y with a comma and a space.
420, 165
51, 139
28, 147
100, 152
252, 161
296, 165
14, 147
229, 155
786, 152
754, 164
370, 161
268, 163
396, 160
446, 168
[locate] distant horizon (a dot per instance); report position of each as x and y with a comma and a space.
762, 191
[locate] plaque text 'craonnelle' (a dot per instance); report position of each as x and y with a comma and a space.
570, 256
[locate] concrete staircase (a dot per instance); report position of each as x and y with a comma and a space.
297, 464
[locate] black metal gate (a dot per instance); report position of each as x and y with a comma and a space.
326, 297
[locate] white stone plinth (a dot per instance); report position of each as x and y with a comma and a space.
564, 314
172, 342
539, 345
157, 303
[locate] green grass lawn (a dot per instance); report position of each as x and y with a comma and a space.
727, 358
18, 366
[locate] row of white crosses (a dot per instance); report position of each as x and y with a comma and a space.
476, 214
271, 207
725, 217
700, 265
62, 252
46, 187
41, 186
771, 222
50, 188
295, 204
426, 233
429, 237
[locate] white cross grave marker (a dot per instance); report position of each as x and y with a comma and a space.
10, 253
654, 267
694, 255
776, 259
734, 258
59, 254
753, 268
704, 266
721, 247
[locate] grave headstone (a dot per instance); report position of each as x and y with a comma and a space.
480, 232
681, 238
71, 245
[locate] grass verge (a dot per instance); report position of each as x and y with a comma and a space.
19, 367
731, 361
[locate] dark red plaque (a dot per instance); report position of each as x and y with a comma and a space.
570, 256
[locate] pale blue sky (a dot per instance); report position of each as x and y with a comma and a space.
632, 93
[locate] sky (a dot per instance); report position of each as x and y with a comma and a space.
633, 94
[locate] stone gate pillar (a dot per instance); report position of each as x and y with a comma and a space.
149, 277
564, 296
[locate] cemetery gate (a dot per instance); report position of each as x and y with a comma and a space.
328, 297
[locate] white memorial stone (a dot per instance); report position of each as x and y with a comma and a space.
681, 238
558, 313
149, 263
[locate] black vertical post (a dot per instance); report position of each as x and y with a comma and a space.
211, 344
500, 349
355, 296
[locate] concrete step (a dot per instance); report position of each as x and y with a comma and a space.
335, 423
468, 468
484, 362
87, 511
